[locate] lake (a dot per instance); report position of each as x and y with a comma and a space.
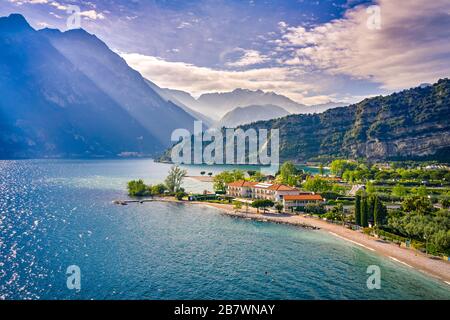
57, 213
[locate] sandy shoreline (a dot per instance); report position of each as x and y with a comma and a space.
429, 265
434, 267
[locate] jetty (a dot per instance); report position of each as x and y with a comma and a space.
126, 202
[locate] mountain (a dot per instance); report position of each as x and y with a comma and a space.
175, 96
215, 105
411, 124
219, 103
408, 125
66, 94
249, 114
319, 108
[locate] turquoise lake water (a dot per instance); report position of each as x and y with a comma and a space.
57, 213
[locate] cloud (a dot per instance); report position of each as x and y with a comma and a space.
89, 14
198, 80
92, 14
183, 25
411, 44
21, 2
248, 58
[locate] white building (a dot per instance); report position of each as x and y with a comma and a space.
300, 201
260, 190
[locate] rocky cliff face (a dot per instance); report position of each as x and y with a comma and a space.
411, 124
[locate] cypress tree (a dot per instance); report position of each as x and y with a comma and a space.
364, 212
371, 208
376, 211
382, 212
358, 209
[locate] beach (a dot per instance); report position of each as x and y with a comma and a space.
432, 266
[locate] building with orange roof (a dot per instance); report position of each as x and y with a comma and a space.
300, 201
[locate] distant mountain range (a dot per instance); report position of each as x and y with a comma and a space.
243, 115
216, 104
177, 96
66, 94
409, 125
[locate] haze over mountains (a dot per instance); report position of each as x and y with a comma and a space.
220, 108
217, 104
249, 114
65, 94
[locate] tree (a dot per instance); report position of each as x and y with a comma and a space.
370, 207
317, 184
364, 212
137, 188
222, 179
315, 208
358, 209
338, 167
257, 177
379, 211
370, 188
445, 203
202, 173
180, 195
441, 241
321, 171
158, 189
175, 178
399, 191
337, 213
262, 203
288, 173
210, 174
420, 205
420, 191
279, 207
251, 173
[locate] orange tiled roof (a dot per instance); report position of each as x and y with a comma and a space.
241, 183
304, 197
281, 187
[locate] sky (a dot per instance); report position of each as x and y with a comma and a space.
311, 51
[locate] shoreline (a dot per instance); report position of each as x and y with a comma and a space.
431, 266
434, 267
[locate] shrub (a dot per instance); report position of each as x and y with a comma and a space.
279, 207
315, 208
180, 195
237, 205
158, 189
137, 188
262, 203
